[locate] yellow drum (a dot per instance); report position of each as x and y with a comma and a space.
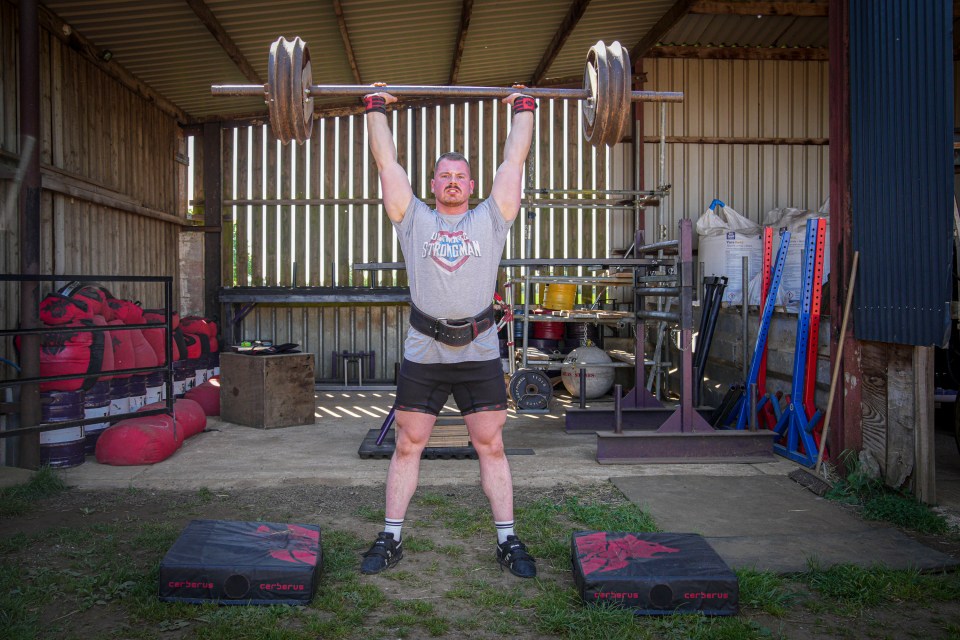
560, 297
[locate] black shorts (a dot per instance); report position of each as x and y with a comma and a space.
476, 386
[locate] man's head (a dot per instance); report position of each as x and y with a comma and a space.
451, 183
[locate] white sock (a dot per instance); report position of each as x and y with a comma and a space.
504, 529
393, 526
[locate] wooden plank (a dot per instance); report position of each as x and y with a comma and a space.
300, 238
874, 403
901, 416
789, 54
285, 234
270, 233
242, 258
430, 151
329, 213
258, 212
925, 473
358, 214
443, 127
314, 185
228, 226
488, 153
808, 9
344, 212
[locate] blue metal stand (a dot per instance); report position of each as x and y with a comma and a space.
742, 408
794, 423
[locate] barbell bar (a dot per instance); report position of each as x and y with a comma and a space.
290, 92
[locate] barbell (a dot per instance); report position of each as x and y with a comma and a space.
290, 92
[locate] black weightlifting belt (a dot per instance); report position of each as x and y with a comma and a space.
456, 333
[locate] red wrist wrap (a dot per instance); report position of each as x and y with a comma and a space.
524, 103
375, 103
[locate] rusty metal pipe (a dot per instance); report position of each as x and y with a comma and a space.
436, 91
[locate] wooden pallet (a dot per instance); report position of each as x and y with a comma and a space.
370, 449
449, 435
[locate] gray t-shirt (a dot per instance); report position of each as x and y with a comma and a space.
452, 263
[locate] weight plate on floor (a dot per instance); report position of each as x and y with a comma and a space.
530, 389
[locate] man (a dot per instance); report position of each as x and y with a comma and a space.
452, 256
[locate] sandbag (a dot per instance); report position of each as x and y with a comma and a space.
58, 310
155, 337
124, 354
129, 312
63, 354
188, 415
207, 395
137, 441
194, 348
198, 325
94, 295
104, 341
144, 354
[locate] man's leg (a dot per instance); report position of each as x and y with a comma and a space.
486, 436
412, 432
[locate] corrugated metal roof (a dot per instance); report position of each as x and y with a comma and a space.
166, 45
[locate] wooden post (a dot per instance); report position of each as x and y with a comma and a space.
212, 210
924, 483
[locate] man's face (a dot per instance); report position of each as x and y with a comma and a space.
452, 184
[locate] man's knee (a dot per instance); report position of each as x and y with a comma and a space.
492, 448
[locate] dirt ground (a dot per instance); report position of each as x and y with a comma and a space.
53, 535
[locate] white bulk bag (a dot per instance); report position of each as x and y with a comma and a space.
725, 237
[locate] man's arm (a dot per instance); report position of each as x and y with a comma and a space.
394, 182
508, 181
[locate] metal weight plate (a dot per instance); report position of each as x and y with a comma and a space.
619, 104
596, 82
278, 90
531, 389
301, 77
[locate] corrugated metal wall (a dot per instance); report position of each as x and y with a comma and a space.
766, 125
326, 240
109, 176
901, 101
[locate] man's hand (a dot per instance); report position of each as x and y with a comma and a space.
513, 96
388, 98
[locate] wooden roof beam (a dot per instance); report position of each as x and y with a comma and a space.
816, 9
740, 53
216, 29
574, 13
466, 12
664, 24
348, 48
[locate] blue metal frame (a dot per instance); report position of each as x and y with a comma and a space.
742, 408
794, 422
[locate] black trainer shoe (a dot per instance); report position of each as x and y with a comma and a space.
384, 553
513, 555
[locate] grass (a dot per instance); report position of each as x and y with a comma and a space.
111, 569
19, 499
882, 503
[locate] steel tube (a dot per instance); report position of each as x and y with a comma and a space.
359, 90
670, 316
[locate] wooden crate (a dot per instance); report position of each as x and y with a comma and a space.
267, 391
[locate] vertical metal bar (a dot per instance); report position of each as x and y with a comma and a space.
745, 314
582, 369
686, 325
617, 408
168, 339
752, 418
29, 214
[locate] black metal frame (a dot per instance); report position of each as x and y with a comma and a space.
167, 282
